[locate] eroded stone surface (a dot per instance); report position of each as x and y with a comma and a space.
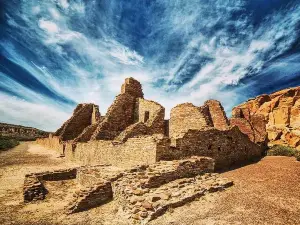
274, 116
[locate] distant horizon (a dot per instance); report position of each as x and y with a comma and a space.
57, 54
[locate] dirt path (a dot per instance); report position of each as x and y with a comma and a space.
267, 192
14, 164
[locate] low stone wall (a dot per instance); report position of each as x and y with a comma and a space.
134, 151
51, 142
91, 175
228, 148
34, 188
165, 171
87, 198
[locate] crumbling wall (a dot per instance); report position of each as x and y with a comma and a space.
134, 130
227, 148
149, 120
187, 116
119, 116
34, 188
132, 87
217, 114
83, 116
87, 198
152, 114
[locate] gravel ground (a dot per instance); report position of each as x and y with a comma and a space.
267, 192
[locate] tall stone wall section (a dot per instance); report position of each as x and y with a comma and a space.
132, 87
152, 114
186, 116
83, 116
217, 114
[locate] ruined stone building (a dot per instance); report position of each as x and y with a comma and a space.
134, 156
134, 131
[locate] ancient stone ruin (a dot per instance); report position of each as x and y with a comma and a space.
134, 131
134, 156
273, 118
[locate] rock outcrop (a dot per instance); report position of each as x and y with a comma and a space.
20, 132
273, 118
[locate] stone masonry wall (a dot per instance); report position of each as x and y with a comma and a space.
132, 87
217, 114
187, 116
155, 115
52, 142
34, 188
118, 117
134, 151
82, 117
227, 148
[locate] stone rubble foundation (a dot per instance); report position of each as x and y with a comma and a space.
144, 192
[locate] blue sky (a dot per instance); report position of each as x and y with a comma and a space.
57, 53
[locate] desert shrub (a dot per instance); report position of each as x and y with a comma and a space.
280, 150
6, 143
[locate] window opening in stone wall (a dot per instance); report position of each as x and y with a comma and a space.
146, 116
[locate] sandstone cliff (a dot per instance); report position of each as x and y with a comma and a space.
20, 132
274, 118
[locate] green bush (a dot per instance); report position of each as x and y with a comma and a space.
6, 143
280, 150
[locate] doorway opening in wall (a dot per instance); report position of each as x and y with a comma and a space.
146, 116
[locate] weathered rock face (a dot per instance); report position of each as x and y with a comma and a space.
275, 116
21, 132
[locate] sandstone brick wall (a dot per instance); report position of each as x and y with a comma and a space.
187, 116
119, 116
34, 188
52, 142
154, 112
227, 148
134, 151
217, 114
87, 198
134, 130
81, 118
132, 87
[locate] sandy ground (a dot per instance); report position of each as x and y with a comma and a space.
267, 192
